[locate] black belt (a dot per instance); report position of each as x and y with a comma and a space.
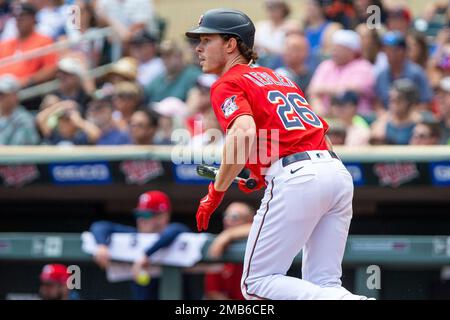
300, 156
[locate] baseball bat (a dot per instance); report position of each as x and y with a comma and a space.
210, 172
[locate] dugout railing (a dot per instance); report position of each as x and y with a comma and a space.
366, 254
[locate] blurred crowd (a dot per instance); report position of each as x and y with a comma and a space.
382, 79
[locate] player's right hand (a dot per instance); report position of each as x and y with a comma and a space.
260, 183
208, 204
102, 257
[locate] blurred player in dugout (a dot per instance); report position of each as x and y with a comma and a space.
53, 284
152, 216
225, 283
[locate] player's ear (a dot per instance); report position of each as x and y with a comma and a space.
231, 45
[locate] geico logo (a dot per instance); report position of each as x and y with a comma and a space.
82, 172
442, 173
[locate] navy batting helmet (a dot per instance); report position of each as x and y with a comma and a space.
225, 21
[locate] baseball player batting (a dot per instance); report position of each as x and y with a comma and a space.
308, 198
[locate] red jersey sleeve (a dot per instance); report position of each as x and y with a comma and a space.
229, 102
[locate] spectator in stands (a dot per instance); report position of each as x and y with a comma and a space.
16, 124
171, 115
371, 48
143, 47
295, 54
143, 125
87, 50
51, 19
71, 76
337, 132
345, 71
343, 108
99, 113
340, 11
126, 100
426, 133
62, 124
439, 62
178, 79
5, 13
226, 284
443, 98
270, 33
315, 25
417, 48
54, 285
399, 19
35, 70
397, 125
401, 67
199, 102
152, 216
124, 69
127, 17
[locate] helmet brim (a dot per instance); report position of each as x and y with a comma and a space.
196, 33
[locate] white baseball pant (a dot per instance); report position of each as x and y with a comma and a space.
309, 209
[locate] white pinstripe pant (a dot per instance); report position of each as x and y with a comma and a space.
308, 209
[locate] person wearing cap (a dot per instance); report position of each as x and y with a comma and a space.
71, 76
152, 215
53, 283
127, 98
443, 99
50, 19
171, 115
36, 70
399, 19
124, 69
143, 47
346, 70
17, 125
178, 79
199, 102
399, 67
99, 112
343, 108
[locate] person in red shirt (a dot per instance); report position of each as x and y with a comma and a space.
31, 71
226, 283
271, 129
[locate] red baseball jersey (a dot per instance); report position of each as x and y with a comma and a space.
285, 123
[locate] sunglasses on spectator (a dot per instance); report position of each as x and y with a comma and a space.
143, 214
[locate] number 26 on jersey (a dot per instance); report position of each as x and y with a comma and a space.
292, 110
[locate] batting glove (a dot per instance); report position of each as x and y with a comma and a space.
260, 183
208, 205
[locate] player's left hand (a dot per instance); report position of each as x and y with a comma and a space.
208, 204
